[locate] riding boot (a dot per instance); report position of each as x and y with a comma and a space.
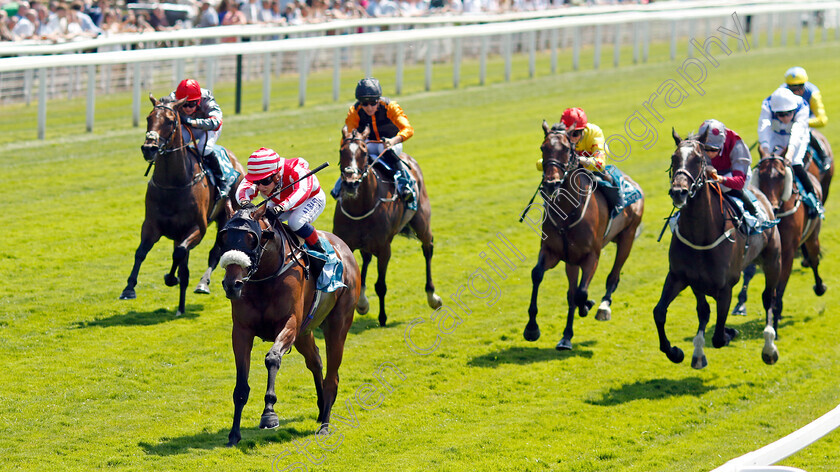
336, 191
316, 262
748, 204
822, 156
405, 184
212, 162
805, 180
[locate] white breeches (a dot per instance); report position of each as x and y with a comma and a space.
308, 212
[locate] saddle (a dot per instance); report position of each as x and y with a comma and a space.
747, 223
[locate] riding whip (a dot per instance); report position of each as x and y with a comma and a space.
320, 167
521, 218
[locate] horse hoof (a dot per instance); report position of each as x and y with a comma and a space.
732, 333
740, 310
531, 334
604, 312
820, 289
202, 288
699, 362
170, 280
771, 357
434, 300
676, 355
323, 430
269, 421
382, 319
564, 345
806, 263
128, 294
179, 313
363, 309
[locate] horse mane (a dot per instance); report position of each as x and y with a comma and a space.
558, 127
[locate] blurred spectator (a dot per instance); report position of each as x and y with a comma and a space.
26, 27
87, 25
223, 8
5, 34
94, 11
158, 20
111, 23
207, 16
293, 14
233, 17
251, 10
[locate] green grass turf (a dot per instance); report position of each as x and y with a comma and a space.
91, 382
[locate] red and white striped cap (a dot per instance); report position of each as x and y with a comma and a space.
263, 163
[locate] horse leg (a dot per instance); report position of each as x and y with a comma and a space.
771, 264
335, 334
565, 344
741, 306
698, 359
243, 341
622, 252
203, 286
582, 301
722, 334
309, 350
812, 250
282, 343
184, 278
363, 305
147, 241
381, 288
421, 226
545, 261
670, 290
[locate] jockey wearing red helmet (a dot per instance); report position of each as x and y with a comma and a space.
299, 205
201, 122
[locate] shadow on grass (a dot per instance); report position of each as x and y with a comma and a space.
251, 437
141, 318
748, 329
362, 323
528, 355
654, 389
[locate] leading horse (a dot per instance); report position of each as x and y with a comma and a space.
273, 296
576, 227
708, 253
179, 201
369, 214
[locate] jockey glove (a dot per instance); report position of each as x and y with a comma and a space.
246, 205
274, 213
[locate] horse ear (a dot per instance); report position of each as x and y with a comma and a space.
365, 132
344, 132
546, 128
152, 98
677, 138
178, 103
702, 137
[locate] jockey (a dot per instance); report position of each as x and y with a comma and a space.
389, 128
299, 204
201, 119
783, 124
796, 79
730, 157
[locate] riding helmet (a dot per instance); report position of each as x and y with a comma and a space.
783, 100
189, 89
368, 88
574, 117
715, 133
796, 76
263, 163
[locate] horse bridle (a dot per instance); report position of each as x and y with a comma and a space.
566, 168
240, 224
163, 146
784, 165
356, 137
696, 183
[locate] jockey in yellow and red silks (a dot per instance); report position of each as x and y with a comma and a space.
796, 80
588, 140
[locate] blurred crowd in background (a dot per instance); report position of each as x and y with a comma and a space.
56, 21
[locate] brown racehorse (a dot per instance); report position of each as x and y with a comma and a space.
179, 200
271, 297
576, 227
809, 253
369, 214
708, 253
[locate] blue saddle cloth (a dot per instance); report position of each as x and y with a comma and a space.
228, 172
330, 279
627, 193
752, 224
402, 179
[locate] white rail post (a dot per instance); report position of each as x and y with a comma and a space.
400, 67
532, 54
266, 81
42, 102
691, 26
456, 63
336, 73
302, 72
482, 68
428, 77
576, 49
597, 61
508, 40
812, 20
91, 97
553, 44
636, 42
783, 26
27, 85
135, 97
798, 22
617, 45
646, 43
367, 60
673, 39
770, 33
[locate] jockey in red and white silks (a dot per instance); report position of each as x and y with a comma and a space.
299, 205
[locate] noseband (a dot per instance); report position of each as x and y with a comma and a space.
344, 145
696, 182
241, 226
565, 168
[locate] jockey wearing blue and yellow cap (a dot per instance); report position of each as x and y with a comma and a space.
796, 79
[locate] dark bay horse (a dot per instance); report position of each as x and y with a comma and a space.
708, 253
369, 214
272, 298
179, 201
823, 175
576, 227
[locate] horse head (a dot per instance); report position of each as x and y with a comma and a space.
558, 156
163, 128
244, 239
775, 180
689, 170
353, 159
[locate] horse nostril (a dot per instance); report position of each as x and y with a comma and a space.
238, 285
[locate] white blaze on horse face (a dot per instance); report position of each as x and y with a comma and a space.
235, 257
152, 136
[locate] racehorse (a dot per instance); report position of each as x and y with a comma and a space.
576, 227
708, 252
179, 201
273, 296
369, 214
794, 224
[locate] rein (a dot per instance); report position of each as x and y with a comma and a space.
284, 265
368, 168
163, 150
